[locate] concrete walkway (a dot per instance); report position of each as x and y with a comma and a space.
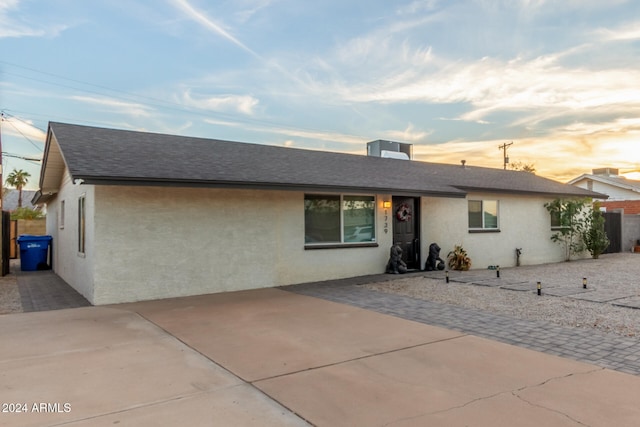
326, 354
44, 290
275, 357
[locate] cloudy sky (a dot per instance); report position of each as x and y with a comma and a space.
456, 78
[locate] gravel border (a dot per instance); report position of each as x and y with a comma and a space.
10, 301
614, 279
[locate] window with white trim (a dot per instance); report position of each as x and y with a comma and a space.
483, 215
337, 219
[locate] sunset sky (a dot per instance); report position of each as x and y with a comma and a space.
559, 79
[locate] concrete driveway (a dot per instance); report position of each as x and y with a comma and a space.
272, 357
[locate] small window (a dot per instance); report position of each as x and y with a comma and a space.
556, 222
61, 215
483, 214
336, 219
81, 224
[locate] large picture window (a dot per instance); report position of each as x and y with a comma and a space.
339, 219
483, 214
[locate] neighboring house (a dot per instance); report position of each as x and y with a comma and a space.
622, 207
629, 207
137, 216
607, 181
10, 199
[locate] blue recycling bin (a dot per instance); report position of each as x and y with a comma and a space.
34, 252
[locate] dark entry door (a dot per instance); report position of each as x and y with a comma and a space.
613, 230
406, 222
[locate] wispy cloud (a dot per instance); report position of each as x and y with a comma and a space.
627, 32
532, 90
244, 104
558, 157
209, 24
12, 24
409, 134
22, 128
298, 133
117, 106
248, 8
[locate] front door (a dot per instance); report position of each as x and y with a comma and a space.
406, 222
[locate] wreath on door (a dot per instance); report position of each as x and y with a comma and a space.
403, 213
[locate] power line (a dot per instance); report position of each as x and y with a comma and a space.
150, 101
126, 96
20, 132
15, 156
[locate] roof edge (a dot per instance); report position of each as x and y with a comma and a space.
587, 193
92, 180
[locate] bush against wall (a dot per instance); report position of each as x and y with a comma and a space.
580, 226
568, 219
26, 213
594, 236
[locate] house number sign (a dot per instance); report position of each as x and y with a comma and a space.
386, 221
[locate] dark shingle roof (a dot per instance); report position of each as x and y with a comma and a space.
108, 156
10, 199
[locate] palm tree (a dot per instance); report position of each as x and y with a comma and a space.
18, 179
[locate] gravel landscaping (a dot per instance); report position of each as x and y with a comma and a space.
613, 279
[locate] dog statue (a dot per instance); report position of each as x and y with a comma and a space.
395, 264
433, 258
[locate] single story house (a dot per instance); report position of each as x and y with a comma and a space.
622, 207
138, 216
624, 194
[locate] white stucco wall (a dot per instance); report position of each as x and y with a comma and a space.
524, 223
157, 242
74, 268
153, 242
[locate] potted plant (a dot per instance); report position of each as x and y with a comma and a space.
458, 259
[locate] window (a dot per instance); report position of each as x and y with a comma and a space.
61, 215
483, 214
339, 219
556, 221
81, 224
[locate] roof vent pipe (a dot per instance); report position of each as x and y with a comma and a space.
464, 162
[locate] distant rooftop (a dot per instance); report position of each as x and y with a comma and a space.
606, 171
10, 199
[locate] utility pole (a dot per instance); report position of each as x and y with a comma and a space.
4, 248
1, 182
505, 157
